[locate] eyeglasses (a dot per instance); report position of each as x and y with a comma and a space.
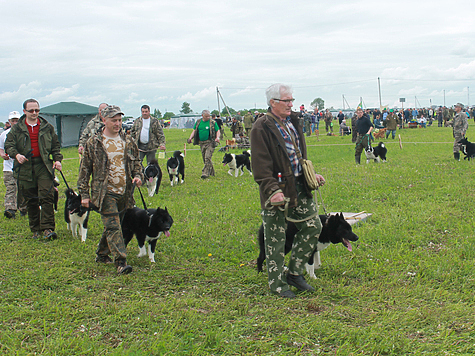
33, 110
285, 101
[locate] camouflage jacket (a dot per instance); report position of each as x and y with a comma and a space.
156, 137
18, 142
460, 123
92, 127
248, 120
95, 162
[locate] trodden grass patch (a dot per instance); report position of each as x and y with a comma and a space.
407, 287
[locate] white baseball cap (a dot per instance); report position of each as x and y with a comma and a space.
14, 115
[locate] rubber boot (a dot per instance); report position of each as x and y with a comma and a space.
357, 159
457, 156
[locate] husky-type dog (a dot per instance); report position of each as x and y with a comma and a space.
147, 226
377, 153
175, 167
236, 163
75, 215
153, 177
335, 230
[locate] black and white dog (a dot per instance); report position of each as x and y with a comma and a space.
237, 163
467, 148
377, 153
176, 166
335, 230
153, 177
147, 226
75, 215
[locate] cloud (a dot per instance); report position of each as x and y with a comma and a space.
134, 98
205, 93
24, 92
60, 94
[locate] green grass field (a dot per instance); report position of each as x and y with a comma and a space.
406, 289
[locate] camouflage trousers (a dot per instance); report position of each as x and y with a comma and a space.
457, 145
39, 192
362, 142
112, 240
207, 150
304, 242
13, 200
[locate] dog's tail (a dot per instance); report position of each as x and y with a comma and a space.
177, 154
247, 153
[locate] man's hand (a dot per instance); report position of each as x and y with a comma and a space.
4, 156
217, 139
320, 179
57, 165
162, 147
277, 199
137, 182
189, 140
80, 150
85, 202
20, 158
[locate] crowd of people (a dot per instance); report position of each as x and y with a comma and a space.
112, 165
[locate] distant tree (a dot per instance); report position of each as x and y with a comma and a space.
185, 108
2, 125
224, 112
318, 102
157, 114
168, 115
215, 112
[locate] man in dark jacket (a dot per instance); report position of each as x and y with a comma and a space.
283, 191
363, 130
37, 151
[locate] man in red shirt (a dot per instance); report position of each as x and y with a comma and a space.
37, 151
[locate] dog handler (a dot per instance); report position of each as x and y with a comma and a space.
460, 128
35, 145
283, 191
363, 129
113, 160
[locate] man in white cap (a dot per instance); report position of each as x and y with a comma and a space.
13, 200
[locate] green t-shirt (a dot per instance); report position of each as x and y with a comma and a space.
204, 129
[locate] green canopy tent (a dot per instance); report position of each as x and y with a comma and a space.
69, 120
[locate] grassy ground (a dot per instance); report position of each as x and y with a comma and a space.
407, 287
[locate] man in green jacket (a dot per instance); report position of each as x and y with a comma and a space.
37, 151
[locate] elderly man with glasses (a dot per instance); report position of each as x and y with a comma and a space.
37, 151
283, 191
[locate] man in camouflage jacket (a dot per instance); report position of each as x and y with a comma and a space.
156, 138
460, 126
93, 126
111, 190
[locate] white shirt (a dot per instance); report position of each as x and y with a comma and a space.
8, 164
145, 129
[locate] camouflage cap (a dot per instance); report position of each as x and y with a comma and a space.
111, 111
460, 105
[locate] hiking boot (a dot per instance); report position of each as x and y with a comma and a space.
203, 176
287, 294
103, 259
123, 268
299, 282
9, 214
456, 156
50, 234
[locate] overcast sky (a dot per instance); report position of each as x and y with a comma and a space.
163, 53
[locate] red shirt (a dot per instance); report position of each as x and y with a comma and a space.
33, 131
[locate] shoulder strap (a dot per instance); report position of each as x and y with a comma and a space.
278, 121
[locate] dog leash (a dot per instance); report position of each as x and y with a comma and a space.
141, 196
316, 201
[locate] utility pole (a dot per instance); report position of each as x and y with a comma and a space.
444, 97
379, 86
468, 96
343, 97
217, 96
